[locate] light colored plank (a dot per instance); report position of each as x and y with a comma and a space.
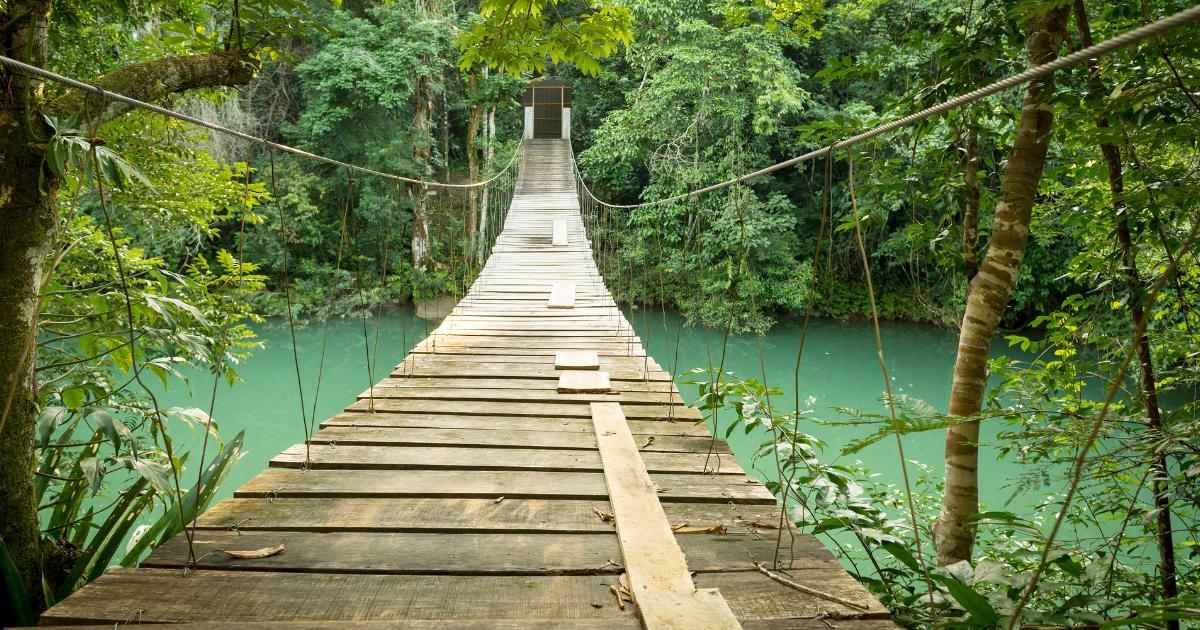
576, 360
560, 233
652, 559
585, 382
704, 608
563, 296
659, 578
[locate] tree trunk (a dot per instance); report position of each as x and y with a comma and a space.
422, 144
27, 233
445, 131
489, 152
1133, 282
473, 164
990, 290
970, 225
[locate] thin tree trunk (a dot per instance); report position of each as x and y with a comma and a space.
473, 163
970, 221
1133, 282
445, 131
489, 151
422, 110
990, 290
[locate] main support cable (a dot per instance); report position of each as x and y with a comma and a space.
1123, 40
31, 70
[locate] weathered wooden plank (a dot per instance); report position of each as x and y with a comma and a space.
755, 597
549, 384
504, 423
451, 553
668, 610
291, 482
653, 561
539, 409
166, 595
465, 392
597, 382
356, 457
562, 295
659, 575
576, 360
559, 238
519, 439
477, 515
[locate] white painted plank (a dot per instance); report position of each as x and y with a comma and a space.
562, 295
560, 232
584, 382
576, 360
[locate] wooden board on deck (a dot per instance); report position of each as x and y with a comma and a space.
562, 295
586, 382
576, 360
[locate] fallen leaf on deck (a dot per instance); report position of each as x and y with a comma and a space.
648, 442
764, 525
265, 552
679, 525
605, 516
497, 499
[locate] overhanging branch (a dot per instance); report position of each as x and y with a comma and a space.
154, 80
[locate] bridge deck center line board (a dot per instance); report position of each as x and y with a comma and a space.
659, 578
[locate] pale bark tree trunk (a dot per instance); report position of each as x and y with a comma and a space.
1148, 381
473, 164
422, 141
489, 152
27, 233
990, 290
445, 131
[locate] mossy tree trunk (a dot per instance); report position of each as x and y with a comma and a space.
992, 286
28, 222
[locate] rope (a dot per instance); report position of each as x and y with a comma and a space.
1123, 40
31, 70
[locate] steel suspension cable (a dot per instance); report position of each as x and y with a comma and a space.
31, 70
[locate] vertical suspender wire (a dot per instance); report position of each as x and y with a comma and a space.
409, 358
366, 312
887, 385
287, 296
219, 354
133, 362
337, 272
808, 309
383, 284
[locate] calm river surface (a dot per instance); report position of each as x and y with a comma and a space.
840, 369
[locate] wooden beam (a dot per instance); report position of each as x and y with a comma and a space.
659, 578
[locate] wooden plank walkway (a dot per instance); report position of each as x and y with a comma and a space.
469, 489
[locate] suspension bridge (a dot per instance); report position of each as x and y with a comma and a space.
526, 466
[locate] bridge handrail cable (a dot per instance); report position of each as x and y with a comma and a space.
1123, 40
115, 96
